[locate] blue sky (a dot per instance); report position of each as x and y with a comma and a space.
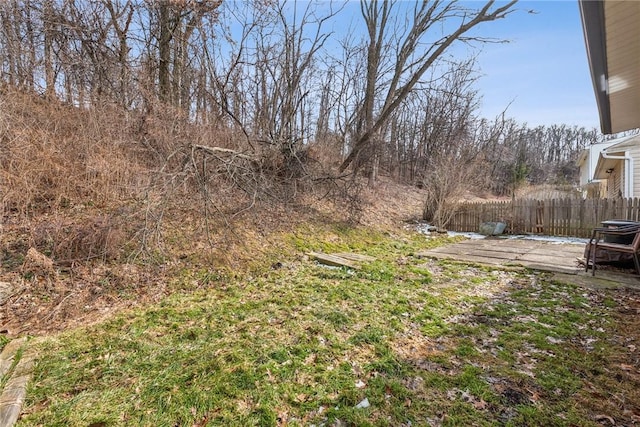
543, 70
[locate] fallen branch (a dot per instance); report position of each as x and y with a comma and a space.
57, 307
219, 150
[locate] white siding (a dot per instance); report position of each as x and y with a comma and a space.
614, 184
634, 153
631, 148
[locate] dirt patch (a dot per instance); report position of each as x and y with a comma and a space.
390, 203
45, 304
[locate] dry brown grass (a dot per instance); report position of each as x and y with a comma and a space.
100, 183
547, 191
71, 241
55, 157
70, 178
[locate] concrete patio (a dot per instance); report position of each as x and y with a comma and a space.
561, 259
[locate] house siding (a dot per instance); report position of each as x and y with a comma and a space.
634, 153
614, 184
585, 175
631, 148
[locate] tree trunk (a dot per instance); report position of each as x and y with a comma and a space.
48, 19
164, 51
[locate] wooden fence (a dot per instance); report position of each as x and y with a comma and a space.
552, 217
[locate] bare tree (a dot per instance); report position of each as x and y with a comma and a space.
414, 55
434, 121
274, 60
175, 22
121, 16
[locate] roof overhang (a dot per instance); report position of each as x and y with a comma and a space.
605, 167
612, 38
607, 163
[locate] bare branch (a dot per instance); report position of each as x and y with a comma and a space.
396, 94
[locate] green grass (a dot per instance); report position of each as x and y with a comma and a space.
305, 344
3, 341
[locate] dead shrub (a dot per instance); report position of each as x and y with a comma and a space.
70, 241
328, 150
63, 162
446, 181
37, 263
55, 156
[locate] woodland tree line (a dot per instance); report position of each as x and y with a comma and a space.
286, 99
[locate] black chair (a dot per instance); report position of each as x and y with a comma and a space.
623, 239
